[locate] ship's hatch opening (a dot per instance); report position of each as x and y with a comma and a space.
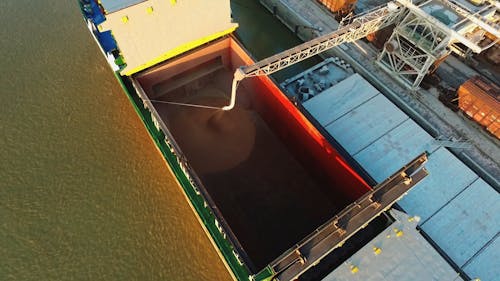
271, 175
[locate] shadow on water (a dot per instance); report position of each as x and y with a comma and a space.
263, 35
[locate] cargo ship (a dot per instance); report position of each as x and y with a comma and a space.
274, 194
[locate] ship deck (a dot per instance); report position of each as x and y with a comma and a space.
268, 176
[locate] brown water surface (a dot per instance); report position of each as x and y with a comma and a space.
84, 194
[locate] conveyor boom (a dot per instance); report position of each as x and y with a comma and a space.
360, 27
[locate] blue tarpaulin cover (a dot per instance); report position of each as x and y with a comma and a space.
107, 41
96, 14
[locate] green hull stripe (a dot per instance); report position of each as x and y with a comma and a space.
197, 201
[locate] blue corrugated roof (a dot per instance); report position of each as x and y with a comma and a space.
394, 150
326, 112
114, 5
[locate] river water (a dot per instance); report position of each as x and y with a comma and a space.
84, 194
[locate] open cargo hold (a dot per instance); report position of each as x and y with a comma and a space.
480, 100
271, 176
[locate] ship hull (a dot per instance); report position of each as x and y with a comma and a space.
285, 185
295, 179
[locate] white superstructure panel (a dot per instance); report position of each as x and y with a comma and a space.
148, 30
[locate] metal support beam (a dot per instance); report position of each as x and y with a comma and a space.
361, 26
412, 49
370, 22
475, 18
357, 29
455, 35
331, 235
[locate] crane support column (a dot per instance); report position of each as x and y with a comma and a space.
426, 34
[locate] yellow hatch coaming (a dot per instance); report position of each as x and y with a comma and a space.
155, 30
177, 51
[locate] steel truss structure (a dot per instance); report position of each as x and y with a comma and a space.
419, 40
358, 28
422, 38
414, 46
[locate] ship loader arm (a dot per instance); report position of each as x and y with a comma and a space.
358, 28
